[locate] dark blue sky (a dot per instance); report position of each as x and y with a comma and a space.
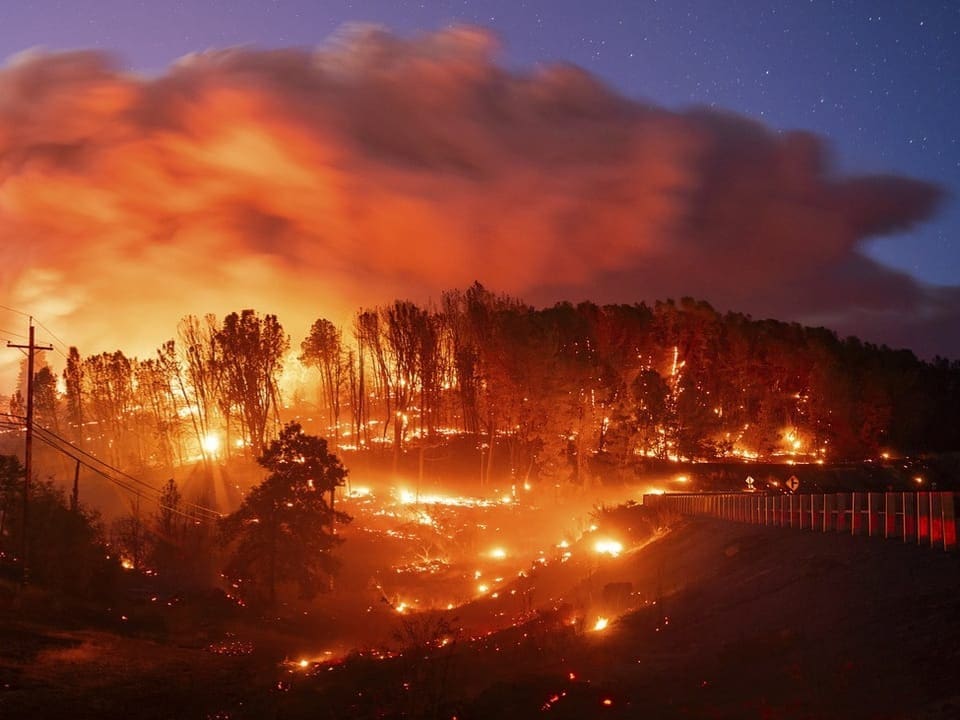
878, 79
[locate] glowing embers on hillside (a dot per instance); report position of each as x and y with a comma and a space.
408, 497
608, 547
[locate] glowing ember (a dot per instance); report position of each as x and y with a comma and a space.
601, 624
608, 547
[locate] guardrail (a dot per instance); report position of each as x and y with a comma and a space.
926, 518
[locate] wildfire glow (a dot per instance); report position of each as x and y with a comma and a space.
210, 443
498, 553
608, 547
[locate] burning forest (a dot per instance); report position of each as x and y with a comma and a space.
429, 484
318, 501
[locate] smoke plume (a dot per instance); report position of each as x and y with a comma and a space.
309, 183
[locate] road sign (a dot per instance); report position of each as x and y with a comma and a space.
793, 483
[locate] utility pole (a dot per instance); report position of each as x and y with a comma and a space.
31, 349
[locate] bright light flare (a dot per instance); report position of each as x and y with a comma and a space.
608, 547
601, 624
498, 553
210, 443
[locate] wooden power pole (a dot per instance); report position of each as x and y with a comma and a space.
31, 349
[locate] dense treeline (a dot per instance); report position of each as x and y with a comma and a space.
64, 542
550, 388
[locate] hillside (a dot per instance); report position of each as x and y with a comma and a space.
730, 621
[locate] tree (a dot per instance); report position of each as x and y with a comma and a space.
323, 349
283, 531
165, 541
73, 382
45, 398
252, 355
203, 366
109, 396
11, 499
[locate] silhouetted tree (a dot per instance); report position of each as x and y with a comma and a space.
283, 531
323, 349
252, 354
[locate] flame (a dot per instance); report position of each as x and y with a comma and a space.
210, 443
608, 547
601, 624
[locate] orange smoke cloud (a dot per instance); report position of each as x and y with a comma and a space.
309, 183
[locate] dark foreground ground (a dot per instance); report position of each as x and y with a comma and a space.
725, 621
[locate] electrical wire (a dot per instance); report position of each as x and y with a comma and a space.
129, 483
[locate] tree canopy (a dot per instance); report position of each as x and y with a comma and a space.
284, 531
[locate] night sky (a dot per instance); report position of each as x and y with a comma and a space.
876, 80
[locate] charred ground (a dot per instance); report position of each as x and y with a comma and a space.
721, 621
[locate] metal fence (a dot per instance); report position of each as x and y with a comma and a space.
925, 518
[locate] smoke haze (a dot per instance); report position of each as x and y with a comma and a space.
309, 183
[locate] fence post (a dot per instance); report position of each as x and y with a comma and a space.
936, 518
829, 507
949, 521
909, 505
923, 518
856, 513
842, 502
874, 503
891, 502
805, 518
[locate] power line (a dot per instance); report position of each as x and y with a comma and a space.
126, 486
129, 482
13, 310
147, 487
32, 349
53, 335
13, 334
